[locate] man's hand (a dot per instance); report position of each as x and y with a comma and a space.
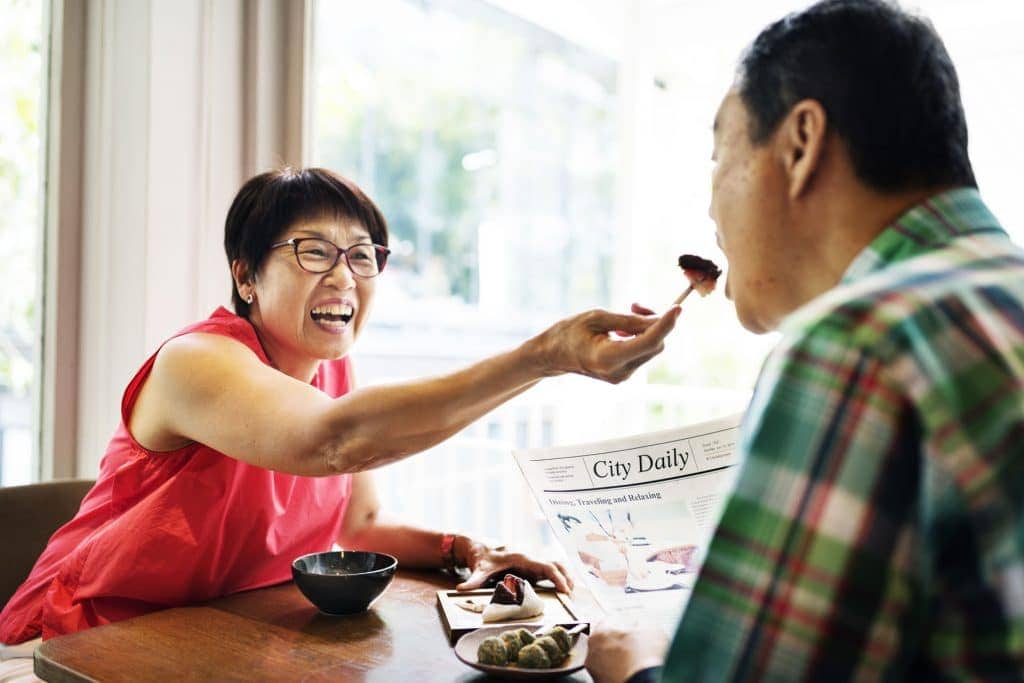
601, 344
485, 563
615, 653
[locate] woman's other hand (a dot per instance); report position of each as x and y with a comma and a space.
614, 653
601, 344
485, 563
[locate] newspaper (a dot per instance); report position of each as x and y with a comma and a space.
635, 514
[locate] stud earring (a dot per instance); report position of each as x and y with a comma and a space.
248, 299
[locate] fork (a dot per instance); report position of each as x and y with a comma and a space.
575, 630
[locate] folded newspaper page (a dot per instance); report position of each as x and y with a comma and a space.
636, 513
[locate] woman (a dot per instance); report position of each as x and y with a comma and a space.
243, 443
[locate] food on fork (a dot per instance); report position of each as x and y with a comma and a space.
702, 274
514, 598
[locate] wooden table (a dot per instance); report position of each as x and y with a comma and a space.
270, 634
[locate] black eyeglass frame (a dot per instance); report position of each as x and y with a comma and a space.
380, 252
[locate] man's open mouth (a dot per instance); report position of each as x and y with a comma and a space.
332, 313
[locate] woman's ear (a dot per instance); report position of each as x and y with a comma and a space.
801, 139
243, 281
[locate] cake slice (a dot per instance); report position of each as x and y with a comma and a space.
513, 598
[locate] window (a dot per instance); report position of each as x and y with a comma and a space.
529, 174
490, 168
21, 81
983, 39
492, 146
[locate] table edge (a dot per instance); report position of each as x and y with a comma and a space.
50, 671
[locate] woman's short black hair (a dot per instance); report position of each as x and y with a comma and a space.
272, 202
886, 83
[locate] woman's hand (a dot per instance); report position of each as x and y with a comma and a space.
604, 345
615, 653
484, 563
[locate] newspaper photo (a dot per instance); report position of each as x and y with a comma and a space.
635, 514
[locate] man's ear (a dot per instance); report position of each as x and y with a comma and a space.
801, 143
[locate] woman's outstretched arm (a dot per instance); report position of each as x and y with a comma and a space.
215, 391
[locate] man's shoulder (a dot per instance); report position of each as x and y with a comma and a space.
917, 301
940, 330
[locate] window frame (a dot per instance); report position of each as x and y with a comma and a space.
60, 272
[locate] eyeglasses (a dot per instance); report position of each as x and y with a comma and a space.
320, 256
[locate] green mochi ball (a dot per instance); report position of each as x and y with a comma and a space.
551, 648
533, 657
512, 644
492, 651
561, 636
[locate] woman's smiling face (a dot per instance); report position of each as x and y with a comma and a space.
303, 318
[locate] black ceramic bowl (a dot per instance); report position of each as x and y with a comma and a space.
343, 581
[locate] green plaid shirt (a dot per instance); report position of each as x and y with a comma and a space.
877, 526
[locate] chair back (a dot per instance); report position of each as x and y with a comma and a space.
28, 517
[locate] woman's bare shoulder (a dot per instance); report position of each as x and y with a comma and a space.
203, 348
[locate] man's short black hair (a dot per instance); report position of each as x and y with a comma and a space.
886, 83
272, 202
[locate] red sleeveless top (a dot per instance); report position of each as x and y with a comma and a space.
161, 529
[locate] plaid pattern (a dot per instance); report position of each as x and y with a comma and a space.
877, 527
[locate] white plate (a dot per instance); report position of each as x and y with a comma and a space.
468, 644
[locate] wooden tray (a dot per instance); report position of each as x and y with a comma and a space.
457, 621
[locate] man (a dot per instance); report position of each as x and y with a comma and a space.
875, 531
